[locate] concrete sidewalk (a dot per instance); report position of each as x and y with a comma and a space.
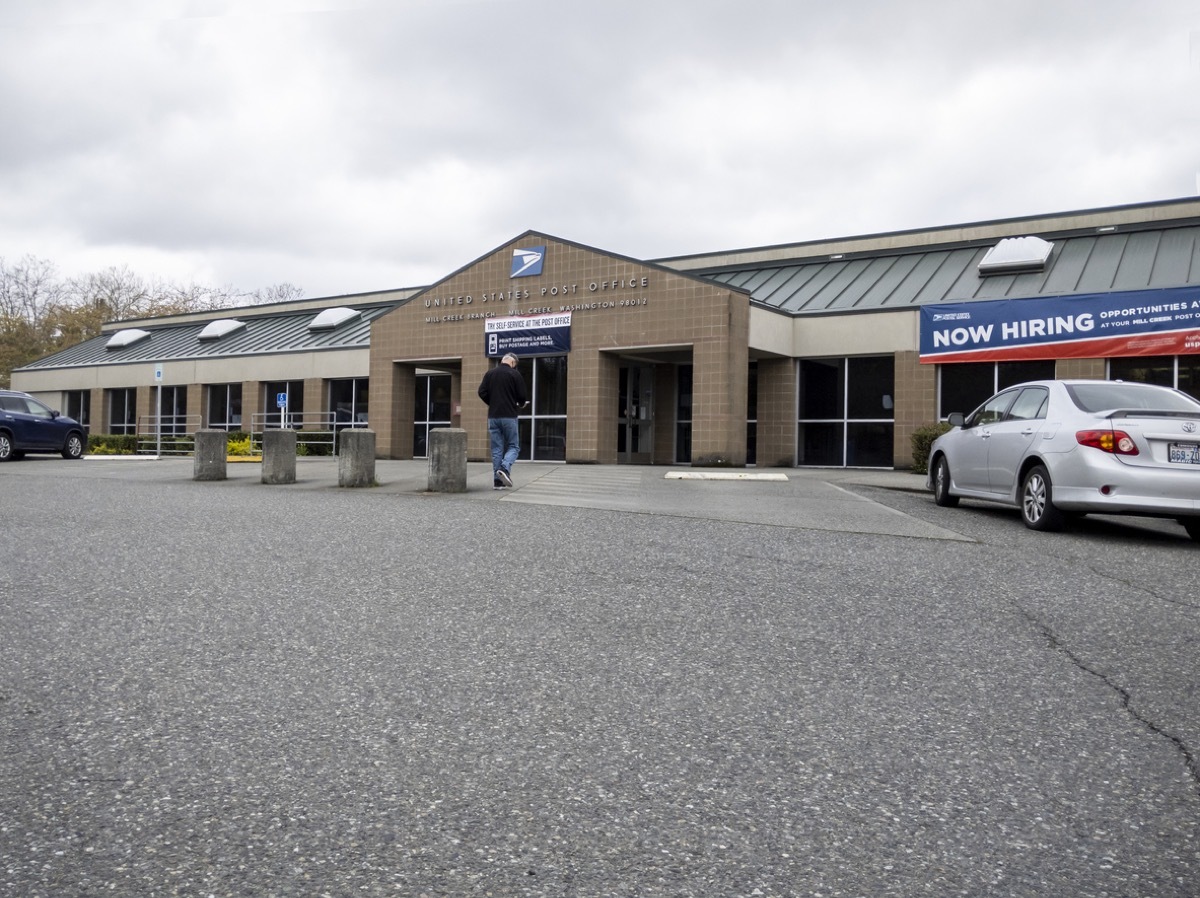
809, 499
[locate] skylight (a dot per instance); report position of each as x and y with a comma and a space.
215, 330
331, 318
1015, 254
127, 337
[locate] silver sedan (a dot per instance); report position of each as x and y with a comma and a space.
1059, 448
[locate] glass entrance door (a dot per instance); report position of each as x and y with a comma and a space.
635, 431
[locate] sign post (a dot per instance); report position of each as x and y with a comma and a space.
158, 379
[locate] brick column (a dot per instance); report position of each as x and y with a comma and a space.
915, 403
719, 385
197, 412
98, 412
776, 413
314, 404
474, 411
586, 421
665, 380
250, 405
145, 404
393, 391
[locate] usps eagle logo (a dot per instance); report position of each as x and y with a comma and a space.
527, 262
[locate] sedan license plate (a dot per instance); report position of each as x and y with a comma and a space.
1184, 453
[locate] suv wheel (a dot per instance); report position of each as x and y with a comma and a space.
73, 447
6, 446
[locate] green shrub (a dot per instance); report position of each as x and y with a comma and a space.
112, 444
922, 440
239, 446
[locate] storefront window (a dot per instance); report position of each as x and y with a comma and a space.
1149, 369
173, 410
431, 410
348, 401
752, 415
964, 386
820, 444
78, 405
550, 386
1181, 372
273, 416
225, 406
1189, 375
1011, 373
683, 415
846, 412
122, 410
822, 389
543, 427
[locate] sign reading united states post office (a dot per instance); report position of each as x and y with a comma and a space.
527, 335
1090, 325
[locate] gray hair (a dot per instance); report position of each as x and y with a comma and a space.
508, 356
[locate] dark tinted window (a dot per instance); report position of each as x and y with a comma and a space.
1150, 369
822, 389
1103, 395
965, 386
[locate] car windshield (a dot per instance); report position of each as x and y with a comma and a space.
1106, 394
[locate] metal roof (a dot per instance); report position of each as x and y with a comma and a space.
1078, 263
269, 334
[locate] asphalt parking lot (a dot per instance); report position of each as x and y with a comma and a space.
600, 683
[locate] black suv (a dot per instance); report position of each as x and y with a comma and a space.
27, 425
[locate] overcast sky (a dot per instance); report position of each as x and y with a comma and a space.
354, 145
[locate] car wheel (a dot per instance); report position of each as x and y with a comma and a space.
1037, 501
74, 447
941, 485
1192, 526
6, 447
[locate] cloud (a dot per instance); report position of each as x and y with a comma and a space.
348, 146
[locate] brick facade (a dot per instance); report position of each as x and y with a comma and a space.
623, 311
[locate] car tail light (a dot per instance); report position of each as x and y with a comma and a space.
1117, 442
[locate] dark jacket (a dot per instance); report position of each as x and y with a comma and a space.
503, 389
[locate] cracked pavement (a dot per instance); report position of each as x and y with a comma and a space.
235, 689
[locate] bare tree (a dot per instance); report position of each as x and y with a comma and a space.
29, 291
283, 292
115, 293
41, 314
28, 288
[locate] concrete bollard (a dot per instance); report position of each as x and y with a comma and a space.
279, 456
448, 460
210, 455
356, 458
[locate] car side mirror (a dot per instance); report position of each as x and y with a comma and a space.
955, 419
54, 413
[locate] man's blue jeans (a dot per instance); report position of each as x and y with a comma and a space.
506, 442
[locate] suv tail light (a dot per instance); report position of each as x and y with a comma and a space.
1116, 442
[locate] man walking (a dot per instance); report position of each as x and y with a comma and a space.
503, 389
